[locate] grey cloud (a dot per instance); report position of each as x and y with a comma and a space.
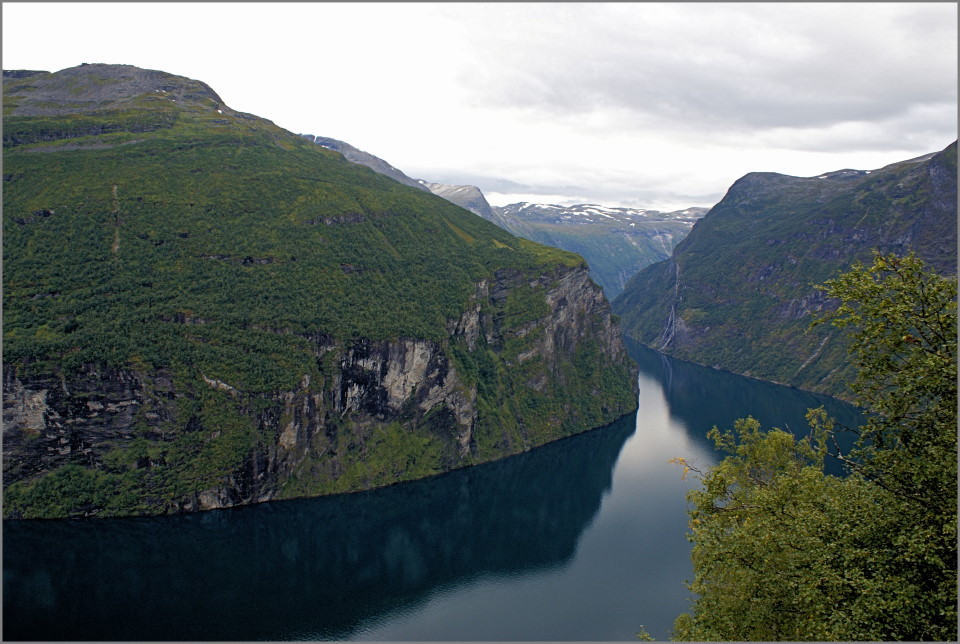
742, 68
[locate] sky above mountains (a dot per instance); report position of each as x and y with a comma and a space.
654, 105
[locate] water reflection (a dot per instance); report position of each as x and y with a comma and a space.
583, 539
699, 398
309, 568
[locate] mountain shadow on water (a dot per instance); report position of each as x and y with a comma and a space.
687, 385
315, 569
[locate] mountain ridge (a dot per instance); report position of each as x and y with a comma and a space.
360, 157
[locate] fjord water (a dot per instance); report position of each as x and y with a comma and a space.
583, 539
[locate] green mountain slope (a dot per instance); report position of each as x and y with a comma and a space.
738, 294
202, 309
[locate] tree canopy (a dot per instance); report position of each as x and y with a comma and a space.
783, 551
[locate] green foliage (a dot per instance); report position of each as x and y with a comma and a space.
783, 551
200, 239
231, 223
145, 475
71, 490
905, 351
368, 457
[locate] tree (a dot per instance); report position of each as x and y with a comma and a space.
905, 351
783, 551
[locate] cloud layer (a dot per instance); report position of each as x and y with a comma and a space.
648, 104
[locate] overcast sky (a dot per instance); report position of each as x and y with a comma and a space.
635, 104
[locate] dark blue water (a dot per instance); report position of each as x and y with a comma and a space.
583, 539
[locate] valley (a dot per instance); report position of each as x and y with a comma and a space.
204, 311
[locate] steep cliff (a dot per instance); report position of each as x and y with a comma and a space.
242, 315
739, 292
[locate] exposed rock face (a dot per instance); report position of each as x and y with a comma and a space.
49, 421
270, 320
319, 430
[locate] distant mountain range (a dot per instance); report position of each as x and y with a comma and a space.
615, 242
738, 292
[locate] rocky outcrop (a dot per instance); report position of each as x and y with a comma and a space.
313, 438
270, 320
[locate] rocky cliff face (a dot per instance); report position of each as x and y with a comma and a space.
378, 412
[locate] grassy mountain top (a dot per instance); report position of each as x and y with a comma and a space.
98, 87
202, 309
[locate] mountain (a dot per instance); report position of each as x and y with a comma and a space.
738, 292
616, 242
468, 197
203, 310
360, 157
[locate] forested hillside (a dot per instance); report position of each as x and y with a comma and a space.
202, 309
739, 291
616, 242
785, 552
